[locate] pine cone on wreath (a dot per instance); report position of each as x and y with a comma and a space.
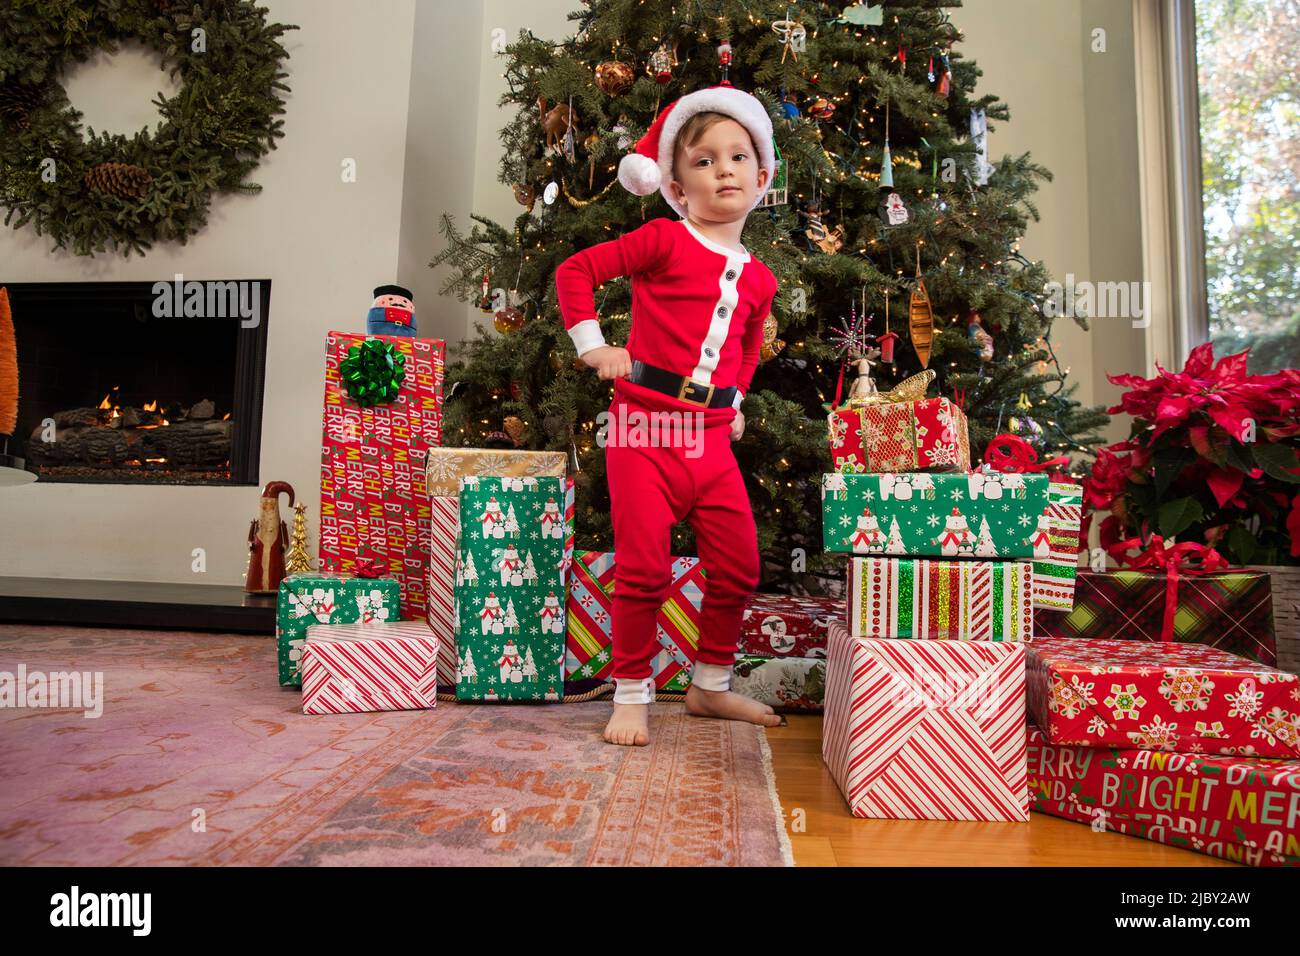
123, 180
18, 102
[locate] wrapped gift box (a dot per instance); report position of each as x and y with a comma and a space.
590, 608
940, 600
358, 668
927, 435
373, 499
1242, 809
926, 730
514, 553
1230, 610
784, 625
783, 683
1154, 696
317, 598
918, 515
444, 469
1054, 573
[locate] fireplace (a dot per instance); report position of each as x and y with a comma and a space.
141, 382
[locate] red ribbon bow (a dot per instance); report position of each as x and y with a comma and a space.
368, 568
1173, 560
1011, 453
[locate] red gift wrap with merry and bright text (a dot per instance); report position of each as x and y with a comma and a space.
374, 508
1236, 808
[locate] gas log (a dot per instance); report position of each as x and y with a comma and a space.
141, 437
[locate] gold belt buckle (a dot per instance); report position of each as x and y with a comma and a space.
688, 383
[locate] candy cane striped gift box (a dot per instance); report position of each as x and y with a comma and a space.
926, 730
357, 668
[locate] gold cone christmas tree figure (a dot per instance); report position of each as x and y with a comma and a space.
297, 561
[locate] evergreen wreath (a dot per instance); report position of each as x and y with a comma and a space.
88, 192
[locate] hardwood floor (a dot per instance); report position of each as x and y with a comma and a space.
831, 837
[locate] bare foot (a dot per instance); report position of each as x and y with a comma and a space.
629, 726
728, 706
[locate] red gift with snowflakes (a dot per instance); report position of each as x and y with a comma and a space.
374, 508
927, 435
1243, 809
1162, 696
785, 625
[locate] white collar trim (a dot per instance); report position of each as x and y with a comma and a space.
714, 246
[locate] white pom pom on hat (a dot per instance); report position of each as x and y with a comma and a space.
650, 166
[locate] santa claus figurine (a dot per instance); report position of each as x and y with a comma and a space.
392, 312
268, 537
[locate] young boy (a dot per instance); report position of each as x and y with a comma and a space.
698, 303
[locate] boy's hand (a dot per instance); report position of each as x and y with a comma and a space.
609, 361
738, 425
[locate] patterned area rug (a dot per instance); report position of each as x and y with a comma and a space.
199, 758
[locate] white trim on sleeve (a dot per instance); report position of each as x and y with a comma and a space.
740, 397
586, 336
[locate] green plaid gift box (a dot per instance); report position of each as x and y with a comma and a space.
1230, 610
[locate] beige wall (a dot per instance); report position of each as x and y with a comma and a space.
409, 89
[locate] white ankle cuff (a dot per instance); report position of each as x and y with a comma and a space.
711, 676
634, 691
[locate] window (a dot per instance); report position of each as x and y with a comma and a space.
1247, 60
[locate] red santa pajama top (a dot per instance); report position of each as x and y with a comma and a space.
697, 307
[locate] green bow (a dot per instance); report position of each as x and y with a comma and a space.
373, 372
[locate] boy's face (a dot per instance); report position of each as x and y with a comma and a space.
719, 177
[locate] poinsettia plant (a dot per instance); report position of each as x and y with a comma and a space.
1212, 458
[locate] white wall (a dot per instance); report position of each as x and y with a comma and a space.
409, 89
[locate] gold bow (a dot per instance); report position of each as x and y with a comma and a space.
908, 390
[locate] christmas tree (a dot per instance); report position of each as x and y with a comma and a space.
861, 97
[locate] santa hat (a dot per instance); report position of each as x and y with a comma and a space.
650, 167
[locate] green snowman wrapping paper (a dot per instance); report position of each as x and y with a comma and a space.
975, 515
512, 560
319, 597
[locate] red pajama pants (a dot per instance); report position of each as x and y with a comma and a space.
651, 489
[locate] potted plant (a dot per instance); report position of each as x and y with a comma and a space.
1212, 458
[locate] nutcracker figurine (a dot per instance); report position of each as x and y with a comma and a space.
392, 312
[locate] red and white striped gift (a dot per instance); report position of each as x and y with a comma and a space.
358, 668
440, 608
926, 730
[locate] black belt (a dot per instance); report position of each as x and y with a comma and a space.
681, 386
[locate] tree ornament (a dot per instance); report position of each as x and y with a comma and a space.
550, 193
525, 194
508, 320
661, 62
724, 61
485, 296
979, 135
821, 108
560, 123
887, 339
863, 14
818, 236
792, 34
976, 332
929, 70
297, 560
614, 78
945, 77
123, 180
624, 141
515, 428
772, 346
788, 104
920, 320
893, 211
373, 372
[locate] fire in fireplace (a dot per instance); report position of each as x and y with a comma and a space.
112, 391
